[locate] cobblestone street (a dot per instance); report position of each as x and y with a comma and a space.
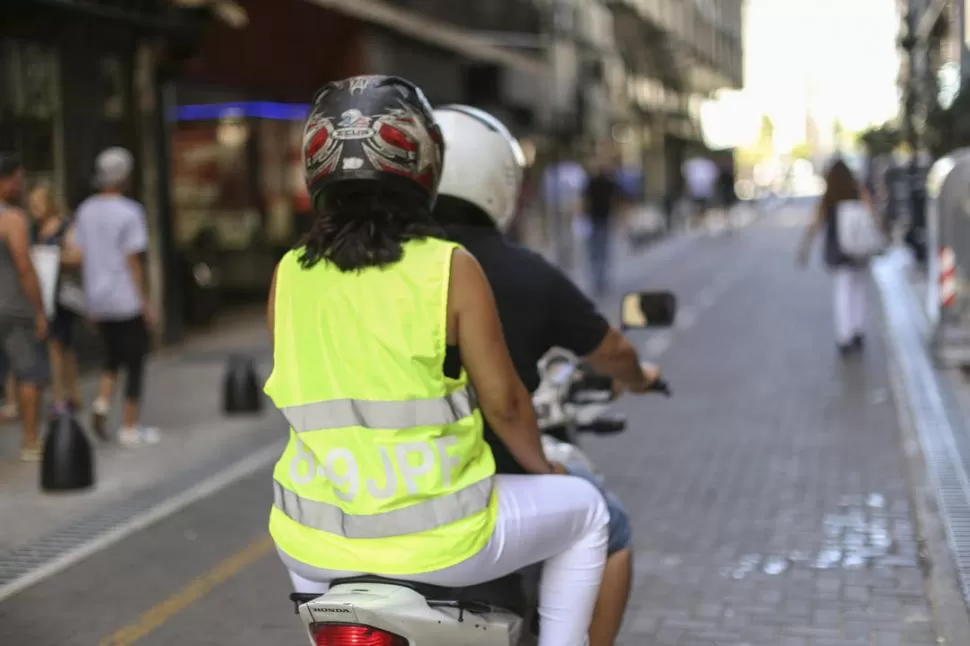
769, 496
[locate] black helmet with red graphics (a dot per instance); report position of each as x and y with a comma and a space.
372, 129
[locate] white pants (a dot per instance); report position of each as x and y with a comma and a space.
560, 520
850, 302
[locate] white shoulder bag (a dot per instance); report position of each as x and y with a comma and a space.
858, 231
47, 266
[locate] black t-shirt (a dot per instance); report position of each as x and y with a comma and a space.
539, 307
601, 191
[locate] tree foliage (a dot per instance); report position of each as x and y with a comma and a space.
763, 148
766, 135
948, 129
944, 129
880, 140
802, 150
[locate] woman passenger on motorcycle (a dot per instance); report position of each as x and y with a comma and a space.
386, 343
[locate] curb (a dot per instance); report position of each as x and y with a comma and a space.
938, 560
26, 565
951, 623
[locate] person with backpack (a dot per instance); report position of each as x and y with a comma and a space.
853, 235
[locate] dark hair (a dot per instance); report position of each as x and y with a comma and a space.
9, 164
453, 211
361, 224
840, 185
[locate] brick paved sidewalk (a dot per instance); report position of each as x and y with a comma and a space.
769, 496
183, 398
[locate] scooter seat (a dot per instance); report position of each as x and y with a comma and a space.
507, 592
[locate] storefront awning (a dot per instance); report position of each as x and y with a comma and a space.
432, 32
152, 15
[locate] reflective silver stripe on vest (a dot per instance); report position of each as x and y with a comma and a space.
390, 415
421, 517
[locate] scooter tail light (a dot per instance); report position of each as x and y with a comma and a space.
353, 635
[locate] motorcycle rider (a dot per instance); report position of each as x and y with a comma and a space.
385, 344
539, 306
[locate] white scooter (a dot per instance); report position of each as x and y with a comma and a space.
379, 611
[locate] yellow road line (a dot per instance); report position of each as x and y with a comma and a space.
157, 615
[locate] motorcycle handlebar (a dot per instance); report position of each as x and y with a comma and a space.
562, 374
566, 380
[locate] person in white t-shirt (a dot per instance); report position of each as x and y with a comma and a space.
700, 178
112, 235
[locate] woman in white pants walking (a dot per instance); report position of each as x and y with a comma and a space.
850, 275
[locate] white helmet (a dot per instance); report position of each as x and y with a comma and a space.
483, 164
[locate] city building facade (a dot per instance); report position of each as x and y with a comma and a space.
77, 77
239, 102
933, 37
675, 54
213, 108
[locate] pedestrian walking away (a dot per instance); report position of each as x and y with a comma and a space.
54, 229
850, 274
23, 321
601, 195
727, 197
700, 180
111, 235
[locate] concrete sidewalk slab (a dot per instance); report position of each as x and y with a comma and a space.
184, 399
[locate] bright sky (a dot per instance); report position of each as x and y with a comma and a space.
836, 57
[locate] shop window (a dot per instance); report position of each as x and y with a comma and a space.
283, 190
114, 128
30, 106
38, 82
37, 148
8, 105
113, 88
237, 180
213, 173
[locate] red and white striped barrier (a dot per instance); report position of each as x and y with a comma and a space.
948, 277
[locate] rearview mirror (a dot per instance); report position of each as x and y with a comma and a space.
648, 309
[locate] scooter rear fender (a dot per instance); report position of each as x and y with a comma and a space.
407, 613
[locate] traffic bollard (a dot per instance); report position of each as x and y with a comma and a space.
68, 461
241, 392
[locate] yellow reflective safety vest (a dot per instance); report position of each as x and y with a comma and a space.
386, 470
